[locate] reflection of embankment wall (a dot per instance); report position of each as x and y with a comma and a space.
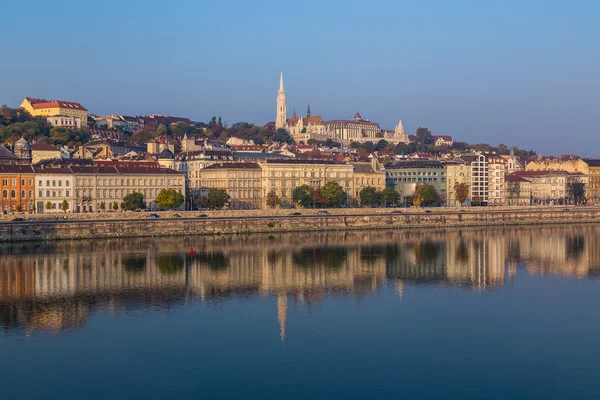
59, 230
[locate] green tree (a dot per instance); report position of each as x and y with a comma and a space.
369, 196
381, 145
162, 130
334, 194
576, 192
424, 136
282, 135
402, 149
169, 199
144, 135
59, 135
425, 195
115, 206
390, 197
217, 198
64, 206
272, 199
303, 196
48, 206
201, 202
133, 201
102, 206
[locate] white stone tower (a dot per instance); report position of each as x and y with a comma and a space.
281, 105
399, 130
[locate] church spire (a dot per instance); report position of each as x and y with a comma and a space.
308, 110
281, 119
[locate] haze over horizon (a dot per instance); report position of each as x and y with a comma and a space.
519, 73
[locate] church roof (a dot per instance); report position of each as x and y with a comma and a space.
357, 115
166, 154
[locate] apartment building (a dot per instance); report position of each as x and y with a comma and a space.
285, 175
53, 187
479, 177
103, 186
49, 108
367, 174
16, 188
242, 181
406, 175
457, 172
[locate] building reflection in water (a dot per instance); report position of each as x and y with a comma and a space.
56, 286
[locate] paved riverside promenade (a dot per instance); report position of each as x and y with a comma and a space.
117, 225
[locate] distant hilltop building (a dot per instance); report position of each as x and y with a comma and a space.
52, 108
304, 128
354, 130
397, 135
301, 128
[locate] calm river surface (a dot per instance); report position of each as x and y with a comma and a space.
457, 314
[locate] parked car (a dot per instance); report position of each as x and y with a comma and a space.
202, 216
18, 219
461, 211
295, 214
396, 212
153, 216
428, 211
322, 212
566, 209
175, 216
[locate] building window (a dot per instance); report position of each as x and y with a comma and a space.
4, 194
23, 194
13, 194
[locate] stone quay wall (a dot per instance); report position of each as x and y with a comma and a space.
139, 226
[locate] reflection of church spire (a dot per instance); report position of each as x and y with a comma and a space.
282, 314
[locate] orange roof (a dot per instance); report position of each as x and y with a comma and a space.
41, 103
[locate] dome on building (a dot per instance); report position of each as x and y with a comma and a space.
22, 149
22, 144
166, 154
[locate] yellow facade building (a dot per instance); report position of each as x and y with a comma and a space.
284, 176
367, 174
242, 181
457, 172
49, 108
44, 151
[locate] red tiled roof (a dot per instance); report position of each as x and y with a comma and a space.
244, 165
40, 146
105, 133
52, 170
42, 103
16, 169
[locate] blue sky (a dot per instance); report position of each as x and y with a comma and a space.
523, 73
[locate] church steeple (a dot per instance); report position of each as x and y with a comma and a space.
308, 110
281, 119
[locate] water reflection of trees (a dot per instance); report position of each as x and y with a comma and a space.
215, 260
134, 264
170, 263
333, 257
44, 279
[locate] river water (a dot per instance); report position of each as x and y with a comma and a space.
455, 314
